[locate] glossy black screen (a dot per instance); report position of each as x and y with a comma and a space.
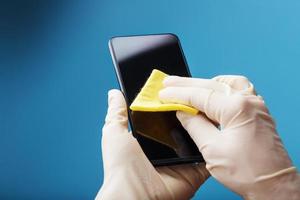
160, 134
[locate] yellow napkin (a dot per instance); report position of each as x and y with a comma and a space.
148, 100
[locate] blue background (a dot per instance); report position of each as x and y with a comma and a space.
55, 71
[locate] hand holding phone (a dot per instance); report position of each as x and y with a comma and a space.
245, 153
128, 174
134, 59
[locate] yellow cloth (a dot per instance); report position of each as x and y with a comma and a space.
148, 100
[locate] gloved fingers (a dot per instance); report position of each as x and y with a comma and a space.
177, 81
197, 173
239, 84
184, 179
116, 113
117, 142
201, 129
211, 102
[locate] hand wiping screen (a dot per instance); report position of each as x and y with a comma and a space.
147, 106
148, 100
153, 122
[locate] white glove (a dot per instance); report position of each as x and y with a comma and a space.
245, 153
128, 174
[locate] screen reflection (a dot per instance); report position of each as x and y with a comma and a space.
160, 134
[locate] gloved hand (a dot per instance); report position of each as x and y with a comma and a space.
243, 151
128, 174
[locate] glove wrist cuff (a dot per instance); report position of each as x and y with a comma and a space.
283, 184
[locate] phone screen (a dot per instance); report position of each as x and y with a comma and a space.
160, 134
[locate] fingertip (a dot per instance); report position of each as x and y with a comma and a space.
117, 109
169, 95
182, 116
240, 84
162, 94
115, 96
113, 92
169, 80
165, 81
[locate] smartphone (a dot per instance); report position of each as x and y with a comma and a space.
160, 134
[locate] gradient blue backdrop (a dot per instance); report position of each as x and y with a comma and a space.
55, 71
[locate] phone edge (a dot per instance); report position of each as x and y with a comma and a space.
164, 162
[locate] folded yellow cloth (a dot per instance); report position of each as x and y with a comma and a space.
148, 98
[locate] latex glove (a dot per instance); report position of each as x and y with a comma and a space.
128, 174
245, 153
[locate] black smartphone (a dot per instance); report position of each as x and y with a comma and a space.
160, 134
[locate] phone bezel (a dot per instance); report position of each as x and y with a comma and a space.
161, 162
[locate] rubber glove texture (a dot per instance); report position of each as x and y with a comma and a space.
148, 100
128, 174
236, 135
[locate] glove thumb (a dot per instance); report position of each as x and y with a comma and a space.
116, 140
200, 128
